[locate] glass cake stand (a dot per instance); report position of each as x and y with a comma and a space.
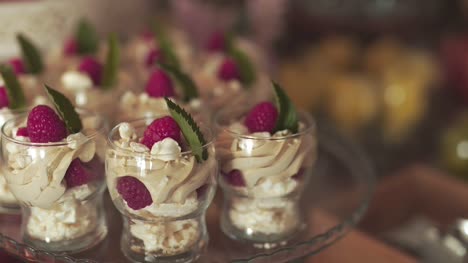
334, 201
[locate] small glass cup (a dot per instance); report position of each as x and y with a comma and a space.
262, 178
8, 202
172, 228
59, 214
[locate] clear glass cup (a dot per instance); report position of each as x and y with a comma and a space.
172, 228
60, 213
262, 178
8, 202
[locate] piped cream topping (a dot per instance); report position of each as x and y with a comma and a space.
75, 80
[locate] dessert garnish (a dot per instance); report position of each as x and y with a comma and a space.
243, 62
160, 129
85, 41
287, 116
165, 46
44, 125
11, 95
190, 130
30, 54
77, 174
134, 192
159, 85
111, 67
216, 42
66, 110
190, 90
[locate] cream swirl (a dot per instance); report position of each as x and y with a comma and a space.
35, 174
267, 162
171, 177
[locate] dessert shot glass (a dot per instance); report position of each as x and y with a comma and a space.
162, 195
59, 185
262, 177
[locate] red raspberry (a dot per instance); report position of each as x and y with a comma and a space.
154, 55
17, 65
216, 42
262, 118
159, 85
23, 131
235, 178
134, 192
44, 125
4, 101
299, 175
91, 67
77, 174
228, 70
71, 47
160, 129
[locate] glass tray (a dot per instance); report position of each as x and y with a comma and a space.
341, 170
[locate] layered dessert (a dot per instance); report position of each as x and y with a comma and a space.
265, 154
161, 175
145, 50
151, 102
97, 85
228, 77
54, 169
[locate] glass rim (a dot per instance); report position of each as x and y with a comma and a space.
310, 127
81, 111
207, 133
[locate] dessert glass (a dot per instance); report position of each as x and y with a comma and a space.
8, 202
173, 227
56, 217
262, 178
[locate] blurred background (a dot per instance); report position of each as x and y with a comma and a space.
391, 75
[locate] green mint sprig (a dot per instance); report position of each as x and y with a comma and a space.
30, 54
15, 93
245, 65
165, 46
190, 90
190, 130
65, 109
287, 115
111, 67
87, 38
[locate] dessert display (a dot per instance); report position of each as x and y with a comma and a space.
165, 81
53, 164
228, 76
97, 86
159, 44
265, 154
161, 174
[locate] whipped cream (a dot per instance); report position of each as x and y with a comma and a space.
75, 80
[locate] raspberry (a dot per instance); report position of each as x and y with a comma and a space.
216, 42
159, 129
44, 125
17, 65
299, 175
134, 192
262, 118
4, 101
159, 85
234, 178
229, 70
147, 35
91, 67
71, 47
23, 131
77, 174
153, 56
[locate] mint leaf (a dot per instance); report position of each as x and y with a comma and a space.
14, 91
189, 87
165, 46
111, 67
65, 109
31, 55
86, 38
190, 130
287, 115
245, 65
